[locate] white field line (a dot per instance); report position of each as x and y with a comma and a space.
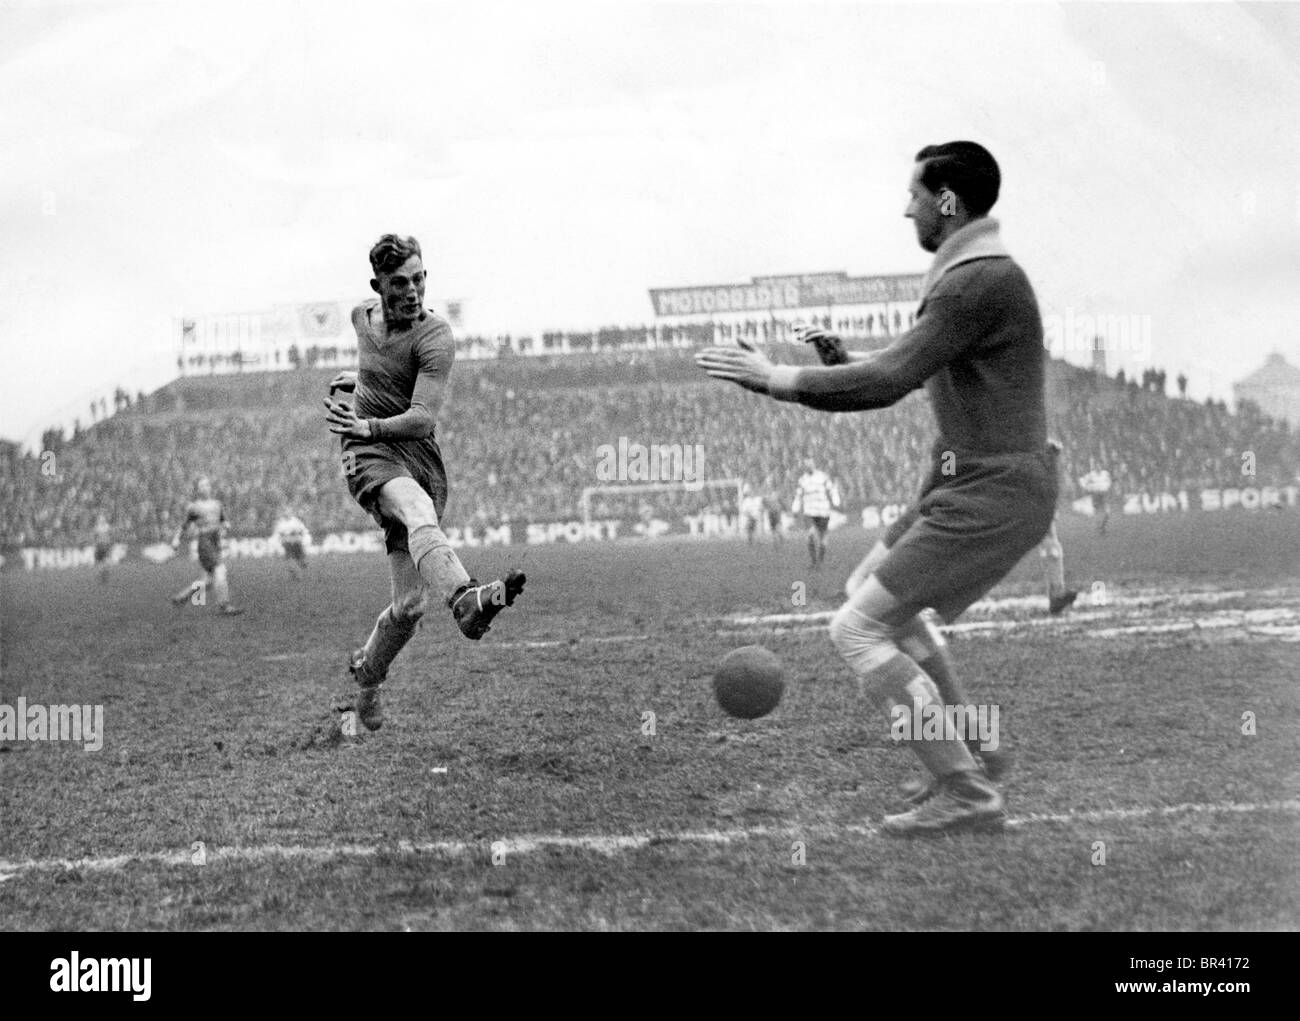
1087, 607
565, 642
284, 656
1138, 614
609, 844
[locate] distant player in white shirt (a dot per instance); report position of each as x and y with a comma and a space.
293, 537
815, 498
1097, 485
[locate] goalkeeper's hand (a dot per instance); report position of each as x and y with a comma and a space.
345, 381
830, 348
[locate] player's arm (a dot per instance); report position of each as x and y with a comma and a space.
941, 333
184, 530
830, 347
939, 336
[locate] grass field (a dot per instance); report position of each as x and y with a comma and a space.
513, 785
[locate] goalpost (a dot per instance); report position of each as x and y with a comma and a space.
730, 488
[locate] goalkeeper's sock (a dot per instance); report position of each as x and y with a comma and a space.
921, 639
436, 561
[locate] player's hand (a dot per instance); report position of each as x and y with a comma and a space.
345, 381
830, 348
744, 365
344, 421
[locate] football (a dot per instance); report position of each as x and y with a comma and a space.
748, 682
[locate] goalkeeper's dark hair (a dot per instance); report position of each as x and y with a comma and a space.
967, 168
391, 250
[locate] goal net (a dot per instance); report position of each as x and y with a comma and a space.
656, 507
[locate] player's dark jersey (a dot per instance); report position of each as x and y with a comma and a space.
207, 517
397, 371
977, 348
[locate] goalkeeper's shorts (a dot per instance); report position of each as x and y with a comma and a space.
967, 531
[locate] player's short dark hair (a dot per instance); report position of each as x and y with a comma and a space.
391, 250
967, 168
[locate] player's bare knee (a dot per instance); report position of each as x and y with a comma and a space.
862, 642
403, 499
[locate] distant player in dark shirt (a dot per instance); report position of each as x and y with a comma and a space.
393, 464
103, 547
205, 517
990, 493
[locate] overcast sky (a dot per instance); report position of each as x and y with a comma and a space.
557, 160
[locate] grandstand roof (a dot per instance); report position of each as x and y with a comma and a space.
1277, 371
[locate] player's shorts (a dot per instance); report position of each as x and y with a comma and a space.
967, 531
774, 519
1098, 502
368, 466
103, 550
294, 551
821, 524
209, 550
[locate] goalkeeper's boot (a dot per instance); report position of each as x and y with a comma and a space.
475, 605
964, 801
369, 710
994, 763
916, 792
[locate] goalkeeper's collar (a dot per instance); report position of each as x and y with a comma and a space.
979, 239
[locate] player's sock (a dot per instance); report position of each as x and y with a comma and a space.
220, 586
887, 673
921, 639
389, 637
436, 561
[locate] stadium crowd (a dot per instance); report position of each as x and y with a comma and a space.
521, 437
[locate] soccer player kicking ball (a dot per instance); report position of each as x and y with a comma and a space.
393, 464
990, 493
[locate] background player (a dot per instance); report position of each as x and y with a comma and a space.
815, 497
1097, 485
293, 537
773, 507
1059, 598
103, 547
393, 463
990, 493
205, 516
751, 511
